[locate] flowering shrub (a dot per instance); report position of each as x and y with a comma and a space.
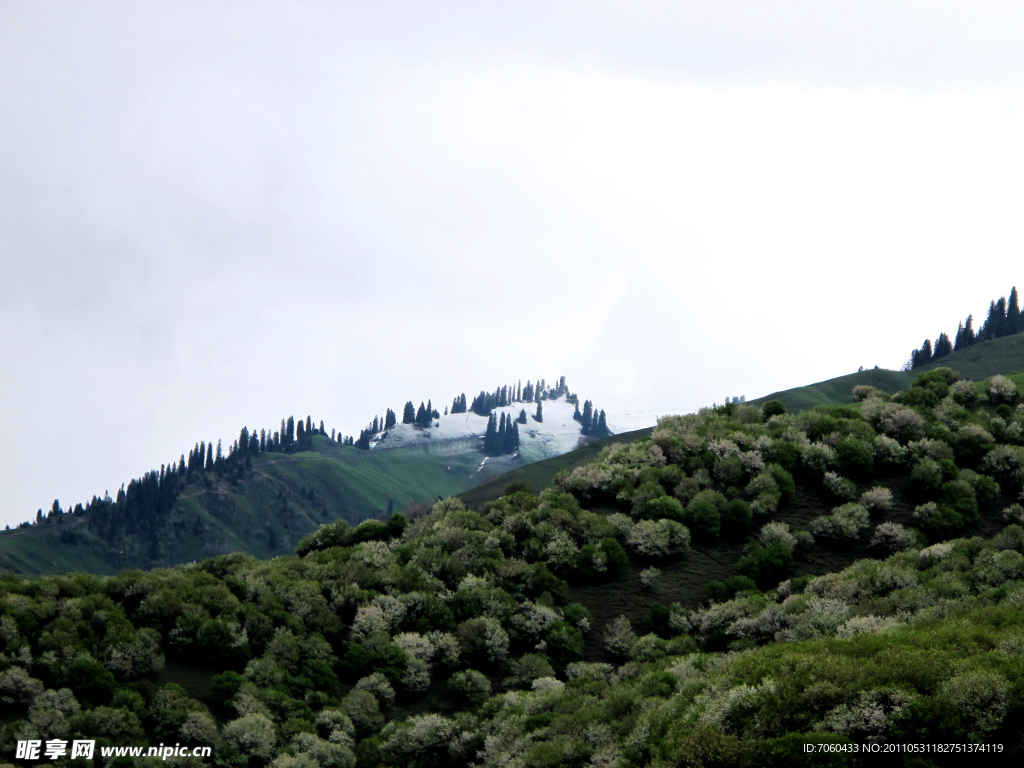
877, 499
845, 523
893, 537
839, 487
1000, 389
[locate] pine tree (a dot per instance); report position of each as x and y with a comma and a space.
289, 438
209, 456
490, 435
587, 417
539, 416
602, 425
309, 426
577, 415
522, 416
421, 414
430, 413
515, 434
390, 419
409, 413
300, 436
1013, 324
943, 347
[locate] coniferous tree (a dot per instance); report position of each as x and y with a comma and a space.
291, 432
577, 415
489, 436
390, 419
522, 416
602, 425
539, 415
587, 417
515, 435
409, 413
1013, 325
209, 456
300, 436
421, 414
263, 440
430, 413
309, 425
321, 428
943, 347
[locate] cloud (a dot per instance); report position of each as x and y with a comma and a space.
219, 214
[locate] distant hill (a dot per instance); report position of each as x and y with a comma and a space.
985, 358
263, 507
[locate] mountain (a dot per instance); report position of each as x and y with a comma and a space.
262, 502
741, 587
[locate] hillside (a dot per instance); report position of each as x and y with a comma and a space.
985, 358
737, 588
274, 499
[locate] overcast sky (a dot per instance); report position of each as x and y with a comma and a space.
218, 214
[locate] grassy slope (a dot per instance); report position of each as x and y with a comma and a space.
281, 500
1004, 356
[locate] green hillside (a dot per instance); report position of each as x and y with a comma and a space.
278, 501
733, 589
987, 358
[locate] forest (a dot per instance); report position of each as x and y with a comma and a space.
459, 637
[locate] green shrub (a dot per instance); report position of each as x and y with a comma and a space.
772, 408
856, 458
703, 519
767, 566
736, 519
925, 480
565, 643
783, 478
720, 591
664, 507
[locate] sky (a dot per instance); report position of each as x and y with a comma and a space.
217, 214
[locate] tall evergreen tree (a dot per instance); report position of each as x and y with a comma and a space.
587, 417
539, 415
390, 419
1013, 324
943, 347
409, 413
300, 436
522, 416
421, 415
602, 425
209, 456
490, 435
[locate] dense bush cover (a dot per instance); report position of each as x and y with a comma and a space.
453, 639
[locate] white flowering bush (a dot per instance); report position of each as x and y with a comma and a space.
819, 457
980, 699
889, 451
902, 423
659, 538
839, 487
935, 552
893, 537
964, 392
379, 686
777, 533
877, 499
870, 717
648, 576
1000, 389
845, 523
1014, 513
619, 637
931, 449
